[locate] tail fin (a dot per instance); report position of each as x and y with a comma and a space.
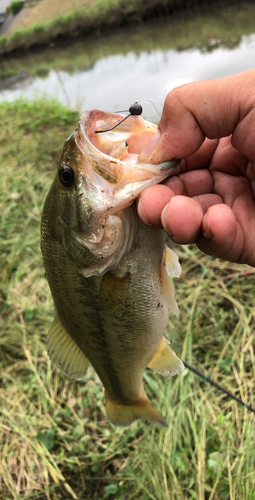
120, 414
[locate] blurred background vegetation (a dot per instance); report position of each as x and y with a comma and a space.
41, 22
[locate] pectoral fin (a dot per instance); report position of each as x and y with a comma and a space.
65, 353
168, 291
119, 414
165, 361
171, 263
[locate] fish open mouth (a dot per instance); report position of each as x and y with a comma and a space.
125, 142
110, 160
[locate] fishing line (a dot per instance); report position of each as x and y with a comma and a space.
148, 100
219, 387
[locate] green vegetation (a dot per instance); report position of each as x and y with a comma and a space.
49, 20
55, 441
15, 7
222, 26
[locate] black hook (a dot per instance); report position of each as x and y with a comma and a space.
134, 110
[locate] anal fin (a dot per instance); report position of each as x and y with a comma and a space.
120, 414
65, 353
165, 361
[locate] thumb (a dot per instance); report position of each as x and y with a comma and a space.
212, 108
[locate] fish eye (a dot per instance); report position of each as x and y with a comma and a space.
67, 176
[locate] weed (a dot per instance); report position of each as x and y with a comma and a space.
194, 31
54, 438
15, 7
48, 20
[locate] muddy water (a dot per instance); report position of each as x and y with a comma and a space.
144, 62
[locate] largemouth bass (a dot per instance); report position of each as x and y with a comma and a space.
107, 271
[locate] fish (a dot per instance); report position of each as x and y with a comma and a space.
107, 271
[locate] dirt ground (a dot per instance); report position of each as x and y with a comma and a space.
7, 27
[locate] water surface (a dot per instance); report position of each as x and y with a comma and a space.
144, 62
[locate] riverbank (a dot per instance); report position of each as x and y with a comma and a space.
47, 21
12, 22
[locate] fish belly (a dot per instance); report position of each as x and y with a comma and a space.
117, 320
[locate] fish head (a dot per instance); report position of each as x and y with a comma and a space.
73, 206
99, 176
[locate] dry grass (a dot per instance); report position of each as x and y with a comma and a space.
55, 441
46, 10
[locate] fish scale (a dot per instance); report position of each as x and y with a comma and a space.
107, 271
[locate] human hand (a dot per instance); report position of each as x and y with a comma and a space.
211, 199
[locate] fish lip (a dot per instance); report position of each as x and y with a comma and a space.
93, 148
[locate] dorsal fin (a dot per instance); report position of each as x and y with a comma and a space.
65, 353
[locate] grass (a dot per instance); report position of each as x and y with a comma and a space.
46, 10
98, 13
205, 30
48, 19
55, 441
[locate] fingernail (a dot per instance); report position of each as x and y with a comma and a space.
141, 211
164, 220
149, 148
206, 232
